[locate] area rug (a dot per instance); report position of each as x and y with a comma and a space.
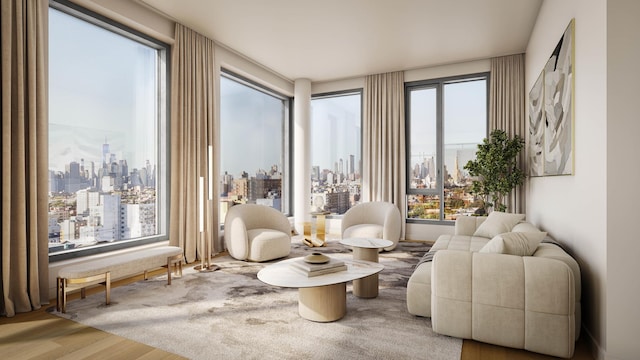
230, 314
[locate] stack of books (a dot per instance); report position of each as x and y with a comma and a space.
310, 270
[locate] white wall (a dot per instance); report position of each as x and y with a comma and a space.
623, 148
241, 65
573, 209
134, 15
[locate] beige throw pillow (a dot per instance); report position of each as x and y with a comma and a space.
514, 243
498, 223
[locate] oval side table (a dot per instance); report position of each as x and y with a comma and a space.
366, 249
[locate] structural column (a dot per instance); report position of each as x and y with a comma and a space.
302, 153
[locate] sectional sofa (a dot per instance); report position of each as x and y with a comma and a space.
500, 280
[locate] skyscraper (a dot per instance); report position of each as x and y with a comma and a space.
105, 152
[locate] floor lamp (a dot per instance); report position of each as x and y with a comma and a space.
206, 264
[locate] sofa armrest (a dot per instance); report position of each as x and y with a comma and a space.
349, 218
392, 227
520, 302
235, 236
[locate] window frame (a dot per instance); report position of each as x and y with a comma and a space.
355, 91
163, 166
287, 146
438, 84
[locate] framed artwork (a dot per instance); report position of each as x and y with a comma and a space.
551, 112
536, 128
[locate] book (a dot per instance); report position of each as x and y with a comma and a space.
330, 270
310, 267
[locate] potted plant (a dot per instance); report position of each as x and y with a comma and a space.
496, 169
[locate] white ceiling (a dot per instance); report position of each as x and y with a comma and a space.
332, 39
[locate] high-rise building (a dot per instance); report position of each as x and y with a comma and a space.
73, 181
352, 162
106, 218
337, 202
457, 175
105, 152
241, 188
137, 220
259, 188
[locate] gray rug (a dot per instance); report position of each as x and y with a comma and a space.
230, 314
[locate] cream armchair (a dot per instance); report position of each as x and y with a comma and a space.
376, 219
256, 233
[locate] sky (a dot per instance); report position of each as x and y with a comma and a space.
252, 125
251, 129
99, 89
335, 130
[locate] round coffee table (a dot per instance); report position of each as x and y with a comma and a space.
366, 249
321, 298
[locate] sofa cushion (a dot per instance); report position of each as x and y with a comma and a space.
497, 223
514, 243
267, 244
525, 226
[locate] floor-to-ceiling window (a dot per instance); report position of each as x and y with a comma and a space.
446, 120
336, 162
108, 136
254, 145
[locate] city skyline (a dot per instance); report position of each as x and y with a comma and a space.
87, 153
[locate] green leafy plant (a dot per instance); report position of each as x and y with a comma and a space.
496, 169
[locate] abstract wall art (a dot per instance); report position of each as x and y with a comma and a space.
551, 114
536, 128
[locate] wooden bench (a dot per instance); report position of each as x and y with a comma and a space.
101, 271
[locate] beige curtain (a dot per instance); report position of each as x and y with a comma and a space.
507, 109
25, 259
383, 144
192, 131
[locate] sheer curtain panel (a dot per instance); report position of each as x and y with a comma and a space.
192, 132
507, 109
24, 252
383, 145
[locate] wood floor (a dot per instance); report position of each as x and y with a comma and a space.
41, 335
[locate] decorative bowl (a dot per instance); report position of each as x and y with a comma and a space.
316, 258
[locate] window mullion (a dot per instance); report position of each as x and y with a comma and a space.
440, 146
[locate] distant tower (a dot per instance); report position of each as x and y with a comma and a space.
105, 151
456, 170
352, 164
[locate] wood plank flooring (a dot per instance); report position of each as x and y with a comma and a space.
40, 335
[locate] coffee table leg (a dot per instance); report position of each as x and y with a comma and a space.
323, 303
366, 287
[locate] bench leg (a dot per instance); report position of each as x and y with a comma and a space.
59, 293
176, 263
107, 288
169, 273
